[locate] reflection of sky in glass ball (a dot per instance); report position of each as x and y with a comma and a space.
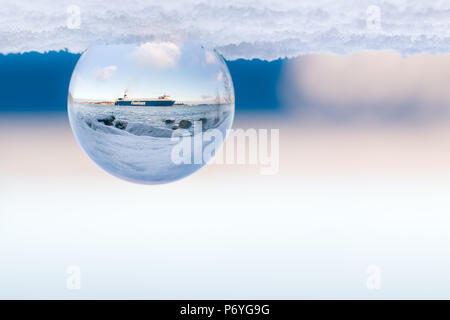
138, 109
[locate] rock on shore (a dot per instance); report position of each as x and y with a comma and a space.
184, 124
108, 120
120, 124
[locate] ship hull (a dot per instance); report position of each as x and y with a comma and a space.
145, 103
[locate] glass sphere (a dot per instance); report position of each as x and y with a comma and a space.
153, 112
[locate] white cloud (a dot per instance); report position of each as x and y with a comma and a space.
220, 76
157, 54
207, 96
77, 79
105, 73
237, 28
210, 57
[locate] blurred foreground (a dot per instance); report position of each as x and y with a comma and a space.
345, 198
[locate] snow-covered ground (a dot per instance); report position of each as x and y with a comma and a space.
264, 29
142, 151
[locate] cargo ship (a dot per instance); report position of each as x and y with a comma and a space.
162, 101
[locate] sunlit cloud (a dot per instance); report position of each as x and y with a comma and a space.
77, 79
157, 54
220, 76
207, 96
105, 73
210, 57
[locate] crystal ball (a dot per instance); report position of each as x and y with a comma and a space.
153, 112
